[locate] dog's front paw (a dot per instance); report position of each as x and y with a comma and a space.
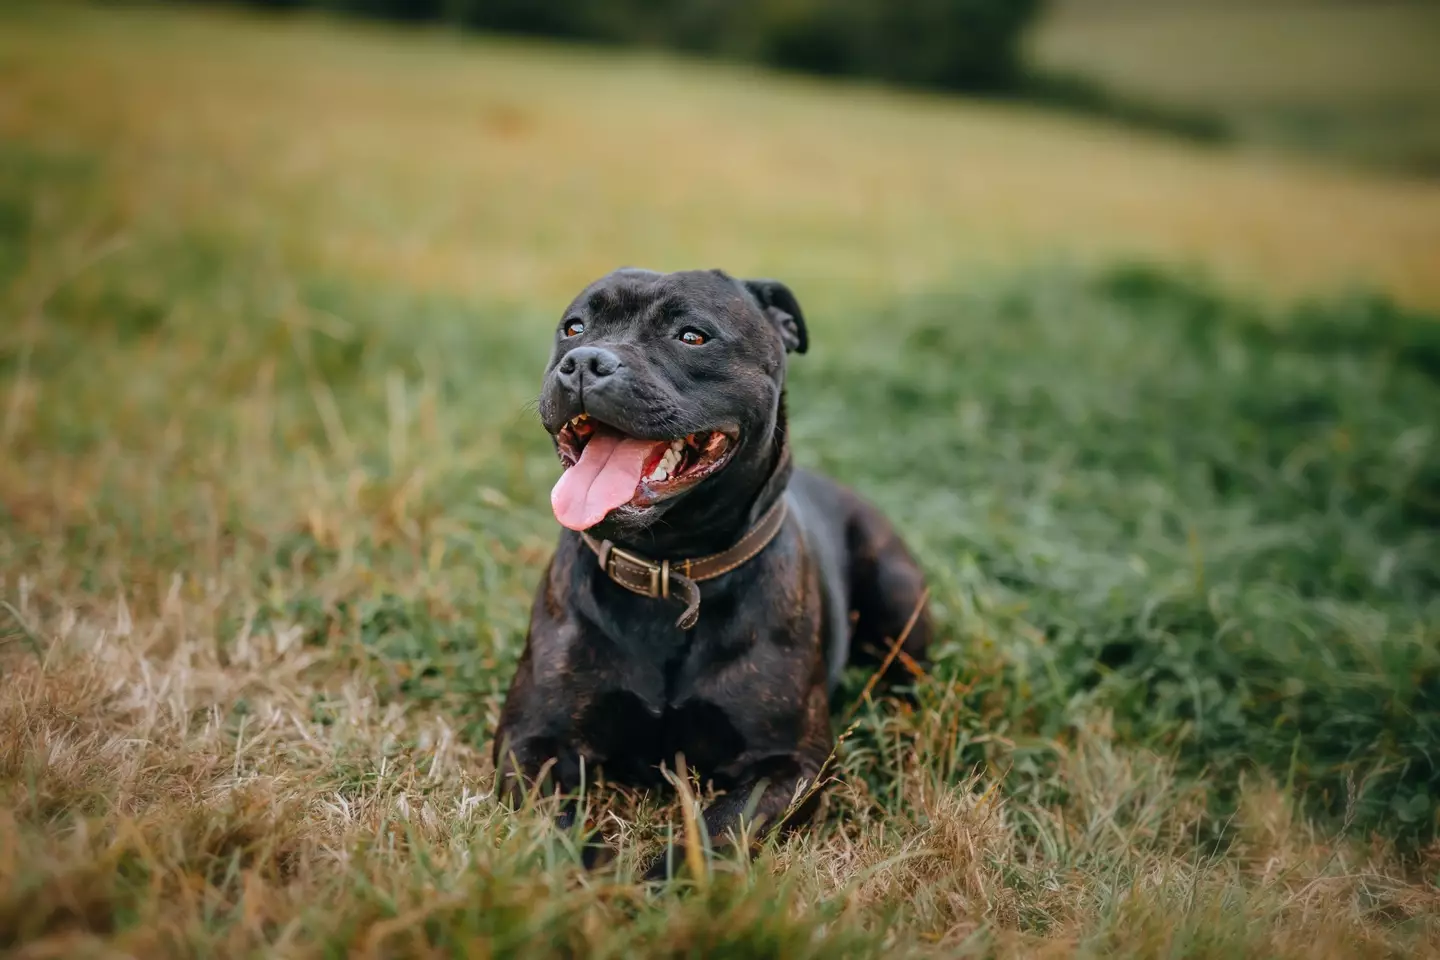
661, 864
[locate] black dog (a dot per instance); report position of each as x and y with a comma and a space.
665, 398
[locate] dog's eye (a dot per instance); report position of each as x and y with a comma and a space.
693, 337
573, 328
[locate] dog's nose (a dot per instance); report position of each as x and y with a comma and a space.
587, 363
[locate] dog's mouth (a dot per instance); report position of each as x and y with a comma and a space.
606, 468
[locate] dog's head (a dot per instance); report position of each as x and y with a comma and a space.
663, 394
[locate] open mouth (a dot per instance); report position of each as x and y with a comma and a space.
606, 468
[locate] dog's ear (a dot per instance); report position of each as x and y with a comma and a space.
783, 310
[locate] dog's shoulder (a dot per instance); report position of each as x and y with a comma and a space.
827, 508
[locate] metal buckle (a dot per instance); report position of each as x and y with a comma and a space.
659, 574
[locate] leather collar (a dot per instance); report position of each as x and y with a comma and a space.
668, 578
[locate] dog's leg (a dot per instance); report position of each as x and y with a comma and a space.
724, 818
534, 751
594, 851
886, 586
777, 781
547, 767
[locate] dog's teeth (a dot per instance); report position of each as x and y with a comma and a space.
659, 474
677, 445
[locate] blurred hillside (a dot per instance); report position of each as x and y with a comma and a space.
1355, 81
518, 170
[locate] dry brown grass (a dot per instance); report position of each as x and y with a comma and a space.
140, 818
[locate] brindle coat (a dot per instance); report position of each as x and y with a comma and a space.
606, 676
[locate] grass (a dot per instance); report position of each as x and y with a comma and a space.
1351, 81
273, 503
514, 173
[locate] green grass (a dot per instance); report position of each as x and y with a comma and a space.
1354, 81
270, 521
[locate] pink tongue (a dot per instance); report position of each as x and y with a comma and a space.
609, 470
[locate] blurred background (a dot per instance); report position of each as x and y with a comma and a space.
1124, 310
1350, 79
1289, 146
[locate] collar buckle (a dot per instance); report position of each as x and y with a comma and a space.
635, 573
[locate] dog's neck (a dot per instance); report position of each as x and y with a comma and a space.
718, 522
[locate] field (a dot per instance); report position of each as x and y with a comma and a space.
1158, 420
1357, 82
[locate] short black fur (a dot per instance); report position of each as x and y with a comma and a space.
606, 677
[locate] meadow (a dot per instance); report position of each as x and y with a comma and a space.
1350, 82
1158, 419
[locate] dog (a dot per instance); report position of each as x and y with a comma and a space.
705, 595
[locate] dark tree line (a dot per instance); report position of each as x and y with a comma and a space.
952, 44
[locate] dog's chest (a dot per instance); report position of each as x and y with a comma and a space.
622, 734
731, 689
648, 708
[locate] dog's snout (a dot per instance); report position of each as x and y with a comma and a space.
587, 363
